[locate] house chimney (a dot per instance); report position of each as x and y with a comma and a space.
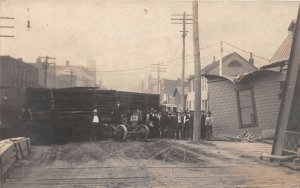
38, 60
67, 63
251, 60
20, 59
214, 59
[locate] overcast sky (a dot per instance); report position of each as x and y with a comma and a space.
122, 35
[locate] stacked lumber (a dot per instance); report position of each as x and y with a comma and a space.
62, 115
39, 99
106, 102
72, 99
72, 110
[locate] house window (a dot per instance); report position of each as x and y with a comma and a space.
246, 108
191, 85
234, 64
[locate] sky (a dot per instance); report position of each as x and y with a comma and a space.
122, 35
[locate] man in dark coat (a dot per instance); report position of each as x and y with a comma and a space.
191, 125
203, 127
26, 117
164, 120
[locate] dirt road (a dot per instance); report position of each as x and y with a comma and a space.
156, 163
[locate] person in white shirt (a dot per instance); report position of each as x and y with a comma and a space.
209, 124
94, 125
134, 120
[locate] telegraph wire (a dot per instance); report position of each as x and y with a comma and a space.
236, 47
172, 60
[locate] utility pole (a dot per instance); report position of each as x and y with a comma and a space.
46, 68
71, 74
46, 71
290, 96
149, 84
197, 76
158, 68
6, 26
182, 21
54, 72
221, 60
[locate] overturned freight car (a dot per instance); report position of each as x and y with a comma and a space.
62, 115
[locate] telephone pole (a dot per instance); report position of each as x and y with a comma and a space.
149, 84
182, 21
197, 77
221, 60
158, 68
6, 26
54, 72
46, 69
71, 74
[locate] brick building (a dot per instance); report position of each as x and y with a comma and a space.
16, 74
15, 77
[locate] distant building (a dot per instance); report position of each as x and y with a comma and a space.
14, 73
15, 77
61, 76
50, 80
177, 97
191, 94
233, 65
75, 76
167, 90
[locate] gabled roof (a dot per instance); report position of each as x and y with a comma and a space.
244, 77
178, 90
282, 54
170, 85
214, 64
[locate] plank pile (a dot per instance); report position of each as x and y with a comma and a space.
62, 115
12, 150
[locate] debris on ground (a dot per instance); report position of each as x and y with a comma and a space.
247, 136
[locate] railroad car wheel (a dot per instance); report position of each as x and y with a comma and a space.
109, 130
144, 131
120, 132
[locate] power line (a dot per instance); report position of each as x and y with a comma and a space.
147, 66
6, 26
263, 58
256, 61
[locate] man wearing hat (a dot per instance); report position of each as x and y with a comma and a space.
209, 123
94, 125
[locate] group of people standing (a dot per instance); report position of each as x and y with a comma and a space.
162, 124
178, 125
